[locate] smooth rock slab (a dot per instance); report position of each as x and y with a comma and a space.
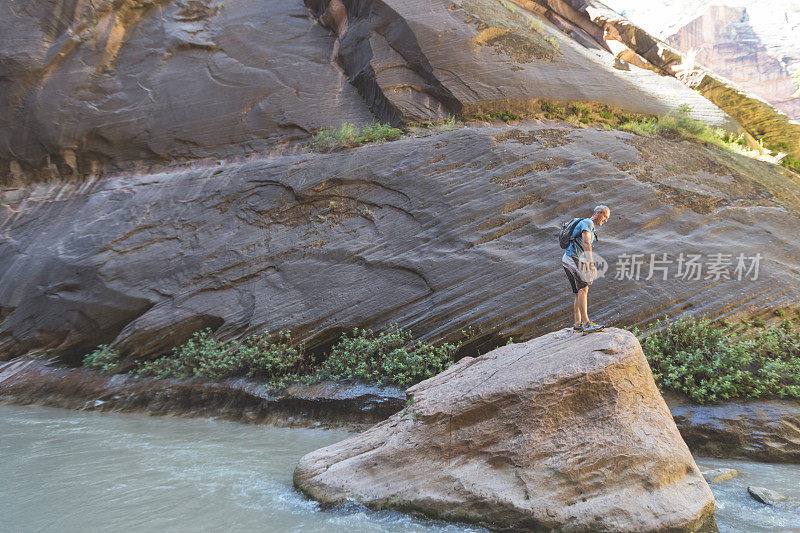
563, 432
718, 475
765, 496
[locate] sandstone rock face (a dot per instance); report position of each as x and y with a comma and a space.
756, 116
87, 86
433, 233
564, 432
755, 47
420, 60
93, 87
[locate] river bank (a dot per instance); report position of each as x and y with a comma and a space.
764, 430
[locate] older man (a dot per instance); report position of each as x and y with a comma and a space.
580, 268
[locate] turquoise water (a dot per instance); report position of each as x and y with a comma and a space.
70, 471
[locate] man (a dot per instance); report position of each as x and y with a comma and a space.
580, 268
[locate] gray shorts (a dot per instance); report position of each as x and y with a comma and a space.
578, 277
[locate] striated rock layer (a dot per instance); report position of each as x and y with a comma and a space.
434, 233
90, 87
564, 432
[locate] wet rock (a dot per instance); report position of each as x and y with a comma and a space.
762, 430
350, 405
766, 496
562, 432
719, 475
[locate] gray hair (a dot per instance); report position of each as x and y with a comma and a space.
602, 208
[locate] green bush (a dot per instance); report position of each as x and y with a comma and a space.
391, 356
552, 110
708, 362
349, 135
505, 116
377, 132
639, 127
265, 356
103, 358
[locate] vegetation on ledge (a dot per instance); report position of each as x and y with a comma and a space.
392, 356
707, 361
713, 361
349, 135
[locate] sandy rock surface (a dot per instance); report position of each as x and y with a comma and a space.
565, 431
435, 233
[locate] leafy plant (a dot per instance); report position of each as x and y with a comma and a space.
378, 132
349, 135
263, 356
535, 24
551, 110
390, 356
103, 358
709, 362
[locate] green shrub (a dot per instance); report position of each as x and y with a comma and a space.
552, 110
265, 356
708, 362
535, 24
505, 116
377, 132
349, 135
103, 358
391, 356
640, 127
329, 139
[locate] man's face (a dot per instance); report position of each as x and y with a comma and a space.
602, 216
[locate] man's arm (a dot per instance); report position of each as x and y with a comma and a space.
587, 247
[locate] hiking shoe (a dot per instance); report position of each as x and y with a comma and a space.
591, 327
577, 327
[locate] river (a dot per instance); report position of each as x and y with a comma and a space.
69, 471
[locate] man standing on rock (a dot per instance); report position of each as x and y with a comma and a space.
579, 265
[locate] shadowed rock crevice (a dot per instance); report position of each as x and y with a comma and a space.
375, 40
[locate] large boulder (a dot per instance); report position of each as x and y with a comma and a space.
563, 432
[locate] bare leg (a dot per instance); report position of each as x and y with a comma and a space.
576, 309
581, 299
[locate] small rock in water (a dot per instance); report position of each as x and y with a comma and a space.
92, 405
720, 474
769, 497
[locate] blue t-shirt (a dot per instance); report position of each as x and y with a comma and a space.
575, 248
